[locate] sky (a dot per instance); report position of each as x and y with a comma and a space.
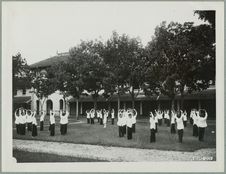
38, 30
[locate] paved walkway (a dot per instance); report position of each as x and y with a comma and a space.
116, 154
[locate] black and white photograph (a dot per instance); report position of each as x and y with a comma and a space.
113, 86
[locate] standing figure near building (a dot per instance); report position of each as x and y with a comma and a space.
88, 116
98, 116
134, 119
129, 124
34, 125
167, 117
23, 122
180, 126
195, 117
184, 116
173, 117
17, 120
42, 117
101, 112
119, 123
152, 127
191, 116
156, 123
63, 122
112, 116
124, 118
105, 118
202, 123
29, 120
92, 115
52, 123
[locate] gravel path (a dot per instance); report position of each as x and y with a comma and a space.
117, 154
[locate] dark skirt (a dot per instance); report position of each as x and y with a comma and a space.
201, 133
156, 127
185, 123
63, 129
52, 129
124, 129
129, 133
160, 122
195, 130
34, 130
23, 129
101, 121
29, 126
88, 120
92, 120
41, 125
134, 128
17, 128
152, 137
180, 135
120, 130
112, 121
173, 130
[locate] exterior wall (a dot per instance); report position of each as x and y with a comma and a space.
55, 98
20, 93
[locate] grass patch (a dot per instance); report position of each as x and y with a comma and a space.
24, 157
82, 133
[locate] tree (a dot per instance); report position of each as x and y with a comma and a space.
182, 52
124, 57
90, 67
43, 85
21, 73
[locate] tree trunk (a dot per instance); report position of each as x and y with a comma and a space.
118, 102
65, 105
76, 116
133, 99
182, 100
95, 105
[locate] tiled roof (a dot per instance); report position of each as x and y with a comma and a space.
50, 61
22, 99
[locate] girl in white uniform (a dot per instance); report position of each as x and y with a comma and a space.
29, 120
180, 126
42, 117
52, 123
124, 118
152, 127
17, 122
129, 124
195, 117
119, 123
34, 124
173, 117
63, 122
134, 116
23, 122
92, 115
184, 116
167, 118
202, 123
88, 116
112, 116
105, 118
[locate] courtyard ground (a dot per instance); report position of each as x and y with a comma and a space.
79, 132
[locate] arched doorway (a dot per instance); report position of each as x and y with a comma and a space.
37, 106
49, 106
61, 104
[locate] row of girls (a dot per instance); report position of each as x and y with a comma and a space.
27, 118
179, 118
102, 116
